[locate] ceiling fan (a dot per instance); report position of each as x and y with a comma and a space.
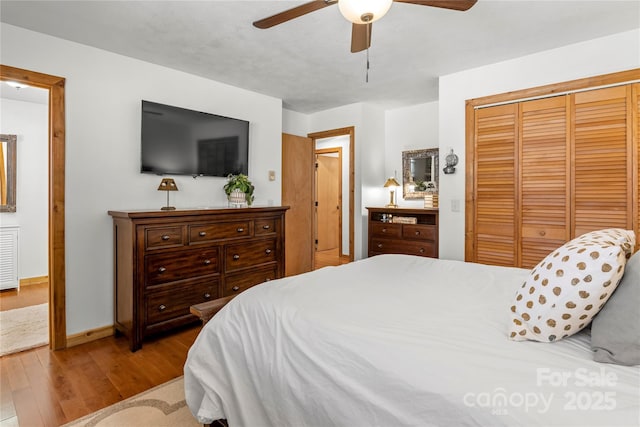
362, 13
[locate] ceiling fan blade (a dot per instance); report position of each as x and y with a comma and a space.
445, 4
360, 37
295, 12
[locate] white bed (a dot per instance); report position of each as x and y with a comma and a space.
397, 340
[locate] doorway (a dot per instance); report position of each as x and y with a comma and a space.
56, 218
328, 206
24, 260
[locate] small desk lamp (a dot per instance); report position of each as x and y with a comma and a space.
168, 184
392, 184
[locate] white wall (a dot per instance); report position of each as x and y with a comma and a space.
103, 94
409, 128
600, 56
29, 122
368, 122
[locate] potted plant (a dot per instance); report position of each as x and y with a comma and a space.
239, 189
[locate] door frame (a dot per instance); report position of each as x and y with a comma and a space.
322, 151
56, 142
350, 131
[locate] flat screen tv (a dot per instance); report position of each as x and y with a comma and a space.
177, 141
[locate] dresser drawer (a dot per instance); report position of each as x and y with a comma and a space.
265, 226
419, 232
167, 267
202, 233
174, 301
164, 237
380, 229
241, 255
391, 246
238, 282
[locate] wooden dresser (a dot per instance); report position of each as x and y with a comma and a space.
389, 237
166, 261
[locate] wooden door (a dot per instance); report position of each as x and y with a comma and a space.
635, 159
544, 178
297, 193
602, 158
495, 237
328, 201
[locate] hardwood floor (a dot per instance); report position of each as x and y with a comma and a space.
27, 295
328, 258
49, 388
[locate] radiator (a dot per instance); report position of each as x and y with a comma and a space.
9, 258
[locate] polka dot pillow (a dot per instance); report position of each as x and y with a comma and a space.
568, 288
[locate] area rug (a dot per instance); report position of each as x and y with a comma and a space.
163, 405
24, 328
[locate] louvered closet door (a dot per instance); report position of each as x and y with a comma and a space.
495, 192
544, 178
636, 160
602, 156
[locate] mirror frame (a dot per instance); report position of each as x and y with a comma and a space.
407, 156
10, 173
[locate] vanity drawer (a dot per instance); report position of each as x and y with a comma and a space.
174, 301
167, 267
265, 226
241, 255
238, 282
391, 246
201, 233
419, 232
383, 229
163, 237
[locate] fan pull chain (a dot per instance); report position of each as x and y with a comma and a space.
367, 76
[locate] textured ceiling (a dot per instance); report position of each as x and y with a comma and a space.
307, 62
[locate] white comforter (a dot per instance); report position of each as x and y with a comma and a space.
396, 340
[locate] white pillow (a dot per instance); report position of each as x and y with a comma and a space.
567, 288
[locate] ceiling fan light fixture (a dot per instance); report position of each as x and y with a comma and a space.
363, 11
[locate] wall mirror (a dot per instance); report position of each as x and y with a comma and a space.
8, 173
419, 173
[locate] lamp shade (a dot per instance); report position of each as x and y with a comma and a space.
363, 11
168, 184
391, 182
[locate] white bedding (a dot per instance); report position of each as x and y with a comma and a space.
396, 340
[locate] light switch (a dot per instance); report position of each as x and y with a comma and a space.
272, 175
455, 205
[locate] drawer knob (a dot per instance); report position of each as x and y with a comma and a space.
162, 270
207, 295
266, 227
162, 307
240, 230
268, 279
268, 251
235, 289
236, 257
207, 261
165, 237
384, 230
379, 245
417, 232
542, 233
421, 250
202, 233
